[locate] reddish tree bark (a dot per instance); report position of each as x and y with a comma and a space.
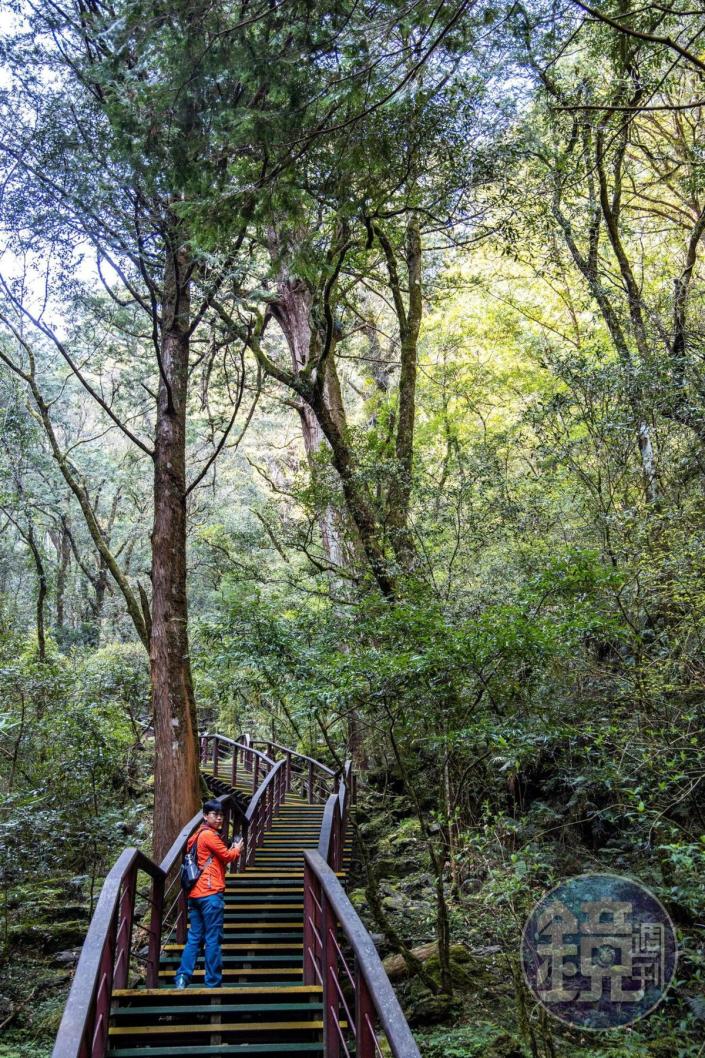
292, 311
176, 777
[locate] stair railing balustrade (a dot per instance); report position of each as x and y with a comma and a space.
106, 955
260, 813
305, 775
231, 760
339, 954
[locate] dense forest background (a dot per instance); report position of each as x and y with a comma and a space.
352, 393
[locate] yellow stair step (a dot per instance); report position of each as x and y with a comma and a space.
283, 889
246, 1026
257, 907
255, 873
240, 990
263, 925
245, 947
260, 971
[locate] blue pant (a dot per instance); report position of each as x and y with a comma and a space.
205, 927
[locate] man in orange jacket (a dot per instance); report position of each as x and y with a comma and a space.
206, 902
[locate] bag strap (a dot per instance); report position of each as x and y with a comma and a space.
195, 847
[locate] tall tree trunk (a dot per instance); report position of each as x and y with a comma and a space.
98, 581
326, 410
41, 592
63, 554
292, 312
176, 778
100, 587
356, 497
409, 318
357, 748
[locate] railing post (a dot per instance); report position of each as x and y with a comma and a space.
242, 862
288, 771
215, 757
155, 932
337, 864
182, 918
254, 832
364, 1015
251, 846
204, 749
310, 782
329, 969
99, 1045
344, 818
233, 773
310, 977
123, 936
262, 819
255, 774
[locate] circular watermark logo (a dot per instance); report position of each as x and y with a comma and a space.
599, 951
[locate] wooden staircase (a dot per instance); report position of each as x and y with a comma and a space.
264, 1008
301, 975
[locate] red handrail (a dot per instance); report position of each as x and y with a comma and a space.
310, 767
327, 911
252, 759
334, 823
294, 753
105, 957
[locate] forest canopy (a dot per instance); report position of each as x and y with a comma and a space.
352, 392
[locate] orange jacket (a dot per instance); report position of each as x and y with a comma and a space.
210, 843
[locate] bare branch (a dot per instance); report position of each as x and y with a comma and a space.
651, 38
53, 337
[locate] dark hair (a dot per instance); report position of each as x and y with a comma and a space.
212, 806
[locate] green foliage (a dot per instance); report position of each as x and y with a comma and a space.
24, 1046
72, 779
470, 1041
530, 705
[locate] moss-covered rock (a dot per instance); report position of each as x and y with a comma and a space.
395, 866
48, 937
460, 959
422, 1007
